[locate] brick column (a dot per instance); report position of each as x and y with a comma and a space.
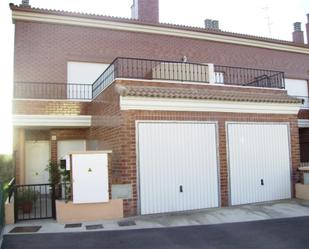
224, 186
53, 146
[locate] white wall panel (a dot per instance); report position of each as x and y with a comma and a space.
82, 73
66, 147
298, 88
259, 152
90, 178
172, 155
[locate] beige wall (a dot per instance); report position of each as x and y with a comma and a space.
9, 212
69, 212
302, 191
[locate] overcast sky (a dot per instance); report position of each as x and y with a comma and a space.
270, 18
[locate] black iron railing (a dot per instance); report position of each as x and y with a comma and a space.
34, 201
151, 70
248, 77
145, 69
46, 90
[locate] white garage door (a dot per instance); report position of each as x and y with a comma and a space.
259, 162
177, 166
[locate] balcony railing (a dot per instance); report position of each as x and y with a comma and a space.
45, 90
187, 72
248, 77
152, 70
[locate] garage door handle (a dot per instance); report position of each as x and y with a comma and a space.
180, 189
262, 182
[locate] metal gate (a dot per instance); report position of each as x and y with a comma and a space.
34, 201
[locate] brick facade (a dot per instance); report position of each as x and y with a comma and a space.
37, 53
52, 107
46, 135
116, 130
38, 59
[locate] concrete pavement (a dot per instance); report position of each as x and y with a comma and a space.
288, 233
261, 211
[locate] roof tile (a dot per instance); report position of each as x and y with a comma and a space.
206, 94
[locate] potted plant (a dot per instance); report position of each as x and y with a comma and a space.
26, 198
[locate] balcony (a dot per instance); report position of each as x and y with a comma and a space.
46, 90
144, 69
186, 72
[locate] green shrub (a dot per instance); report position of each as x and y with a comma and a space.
6, 168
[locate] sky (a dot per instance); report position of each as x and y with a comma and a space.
269, 18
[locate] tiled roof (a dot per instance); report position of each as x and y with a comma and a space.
166, 25
206, 94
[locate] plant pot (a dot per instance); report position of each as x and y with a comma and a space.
27, 207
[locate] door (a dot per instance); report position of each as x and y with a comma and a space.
37, 155
259, 162
65, 147
177, 166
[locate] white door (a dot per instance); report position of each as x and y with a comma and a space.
177, 166
37, 155
259, 162
65, 147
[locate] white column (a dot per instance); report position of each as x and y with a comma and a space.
211, 73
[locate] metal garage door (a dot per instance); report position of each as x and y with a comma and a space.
259, 162
177, 166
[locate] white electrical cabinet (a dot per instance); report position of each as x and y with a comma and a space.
89, 177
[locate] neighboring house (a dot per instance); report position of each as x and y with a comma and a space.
185, 132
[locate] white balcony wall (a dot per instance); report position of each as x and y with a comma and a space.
81, 74
298, 88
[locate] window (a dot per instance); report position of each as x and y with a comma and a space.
80, 77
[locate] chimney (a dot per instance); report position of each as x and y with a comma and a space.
298, 34
307, 28
25, 3
211, 24
145, 10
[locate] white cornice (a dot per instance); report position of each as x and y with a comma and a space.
162, 104
52, 120
132, 27
303, 123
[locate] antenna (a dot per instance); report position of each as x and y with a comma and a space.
267, 17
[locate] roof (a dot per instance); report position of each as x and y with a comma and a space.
166, 25
206, 94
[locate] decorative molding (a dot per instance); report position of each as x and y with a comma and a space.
132, 27
303, 123
161, 104
52, 120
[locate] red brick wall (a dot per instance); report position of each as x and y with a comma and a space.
148, 10
107, 123
37, 107
42, 51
